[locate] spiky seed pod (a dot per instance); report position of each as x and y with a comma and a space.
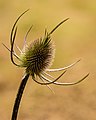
38, 55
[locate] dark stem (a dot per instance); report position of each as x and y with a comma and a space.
19, 96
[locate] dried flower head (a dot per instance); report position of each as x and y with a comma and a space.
38, 55
36, 58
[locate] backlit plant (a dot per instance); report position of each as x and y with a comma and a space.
36, 58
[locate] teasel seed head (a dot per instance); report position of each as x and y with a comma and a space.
36, 58
38, 55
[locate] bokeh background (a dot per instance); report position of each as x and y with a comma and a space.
75, 39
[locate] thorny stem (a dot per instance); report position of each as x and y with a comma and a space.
19, 96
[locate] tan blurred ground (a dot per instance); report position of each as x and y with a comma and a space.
75, 39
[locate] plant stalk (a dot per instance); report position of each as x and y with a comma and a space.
19, 96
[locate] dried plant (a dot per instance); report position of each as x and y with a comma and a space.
36, 58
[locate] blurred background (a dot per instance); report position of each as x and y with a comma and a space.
75, 39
